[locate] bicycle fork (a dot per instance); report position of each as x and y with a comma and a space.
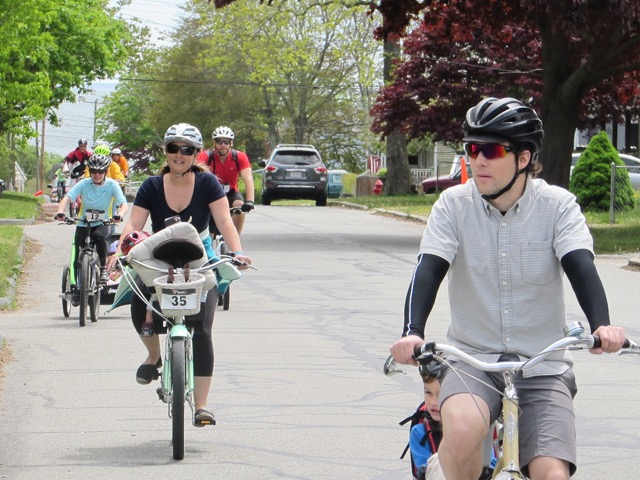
179, 333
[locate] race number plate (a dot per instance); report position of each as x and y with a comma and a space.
178, 299
94, 215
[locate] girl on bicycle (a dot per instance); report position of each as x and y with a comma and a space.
185, 189
98, 193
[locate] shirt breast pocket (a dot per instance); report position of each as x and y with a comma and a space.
539, 263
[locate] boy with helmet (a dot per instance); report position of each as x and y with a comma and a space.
185, 189
228, 164
503, 239
98, 193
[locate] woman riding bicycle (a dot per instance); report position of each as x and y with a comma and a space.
185, 189
98, 193
504, 238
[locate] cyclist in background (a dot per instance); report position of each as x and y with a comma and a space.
98, 193
75, 161
503, 239
121, 161
228, 164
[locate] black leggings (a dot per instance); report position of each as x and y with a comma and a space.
202, 329
100, 235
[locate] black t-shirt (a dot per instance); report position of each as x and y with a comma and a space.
206, 190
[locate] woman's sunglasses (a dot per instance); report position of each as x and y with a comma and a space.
184, 150
489, 150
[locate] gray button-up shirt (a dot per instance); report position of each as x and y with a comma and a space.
505, 280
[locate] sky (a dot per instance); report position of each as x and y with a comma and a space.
77, 119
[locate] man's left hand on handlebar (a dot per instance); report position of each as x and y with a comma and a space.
60, 216
611, 337
247, 206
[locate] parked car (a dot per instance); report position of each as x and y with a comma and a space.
629, 160
335, 183
442, 182
294, 171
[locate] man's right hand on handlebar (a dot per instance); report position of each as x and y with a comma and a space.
60, 216
402, 350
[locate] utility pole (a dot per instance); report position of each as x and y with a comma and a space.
38, 173
42, 174
95, 111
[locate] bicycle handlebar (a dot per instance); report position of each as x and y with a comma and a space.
430, 351
105, 221
207, 266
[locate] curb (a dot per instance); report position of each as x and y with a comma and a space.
380, 210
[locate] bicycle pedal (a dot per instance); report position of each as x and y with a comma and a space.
160, 393
147, 330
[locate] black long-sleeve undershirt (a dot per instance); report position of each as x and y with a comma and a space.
586, 283
421, 295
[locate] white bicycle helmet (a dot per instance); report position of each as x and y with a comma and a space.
183, 132
99, 162
223, 132
116, 151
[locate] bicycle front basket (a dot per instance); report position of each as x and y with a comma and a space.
179, 297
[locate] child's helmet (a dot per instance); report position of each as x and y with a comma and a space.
99, 162
132, 239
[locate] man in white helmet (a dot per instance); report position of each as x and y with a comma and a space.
228, 164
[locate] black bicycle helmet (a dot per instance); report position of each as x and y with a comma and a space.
504, 119
99, 162
83, 141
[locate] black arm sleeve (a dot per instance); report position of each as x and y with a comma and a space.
586, 283
422, 292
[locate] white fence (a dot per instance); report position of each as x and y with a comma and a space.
419, 174
131, 188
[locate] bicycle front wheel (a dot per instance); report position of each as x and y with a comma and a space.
96, 290
177, 396
85, 285
66, 290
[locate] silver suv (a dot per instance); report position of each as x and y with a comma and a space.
294, 171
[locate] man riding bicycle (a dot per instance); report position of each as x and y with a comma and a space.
98, 193
76, 160
504, 239
228, 164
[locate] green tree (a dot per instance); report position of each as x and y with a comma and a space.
52, 50
591, 177
298, 73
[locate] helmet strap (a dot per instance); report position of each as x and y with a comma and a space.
493, 196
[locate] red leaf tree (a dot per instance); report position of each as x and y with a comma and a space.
577, 62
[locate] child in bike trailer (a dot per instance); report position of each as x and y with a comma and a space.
98, 193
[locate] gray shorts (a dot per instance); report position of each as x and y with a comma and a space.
547, 420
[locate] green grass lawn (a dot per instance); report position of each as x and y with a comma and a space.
623, 237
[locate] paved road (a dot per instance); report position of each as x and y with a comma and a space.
298, 390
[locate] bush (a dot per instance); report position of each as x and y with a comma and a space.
591, 178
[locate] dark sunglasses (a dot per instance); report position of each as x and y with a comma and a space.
223, 142
93, 170
489, 150
184, 150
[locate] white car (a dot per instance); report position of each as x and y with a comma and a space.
633, 164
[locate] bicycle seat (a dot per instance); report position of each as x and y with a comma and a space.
177, 252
